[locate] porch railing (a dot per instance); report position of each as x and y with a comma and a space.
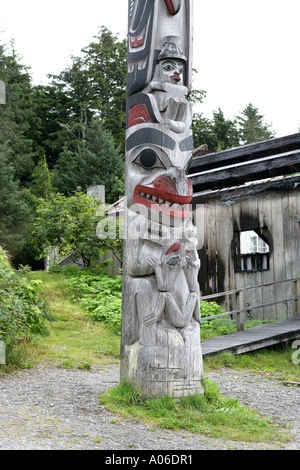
241, 312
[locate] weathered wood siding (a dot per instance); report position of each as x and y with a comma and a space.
275, 206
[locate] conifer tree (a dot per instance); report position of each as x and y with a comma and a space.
252, 127
95, 161
41, 179
218, 133
93, 86
16, 115
14, 211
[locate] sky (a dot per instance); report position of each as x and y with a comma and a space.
245, 51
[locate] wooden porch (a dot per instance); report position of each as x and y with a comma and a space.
257, 337
253, 338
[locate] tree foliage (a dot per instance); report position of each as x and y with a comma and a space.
16, 116
105, 70
93, 86
95, 161
22, 313
52, 109
14, 210
252, 126
221, 133
41, 179
70, 225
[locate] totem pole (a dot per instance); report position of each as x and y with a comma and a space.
160, 346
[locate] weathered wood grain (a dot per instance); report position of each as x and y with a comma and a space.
246, 153
235, 175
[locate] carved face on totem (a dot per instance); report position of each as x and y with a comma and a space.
176, 256
171, 62
157, 173
171, 71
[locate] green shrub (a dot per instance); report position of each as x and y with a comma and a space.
99, 293
209, 309
21, 312
217, 326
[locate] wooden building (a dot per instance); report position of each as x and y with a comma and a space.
247, 212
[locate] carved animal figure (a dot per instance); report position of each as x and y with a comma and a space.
176, 275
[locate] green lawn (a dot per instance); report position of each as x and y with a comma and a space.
75, 340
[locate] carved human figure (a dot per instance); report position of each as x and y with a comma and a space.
168, 89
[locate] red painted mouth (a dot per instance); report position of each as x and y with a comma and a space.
176, 77
164, 198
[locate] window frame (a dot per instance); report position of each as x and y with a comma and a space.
250, 262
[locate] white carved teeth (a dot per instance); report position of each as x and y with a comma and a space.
161, 201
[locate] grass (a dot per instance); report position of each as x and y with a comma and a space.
211, 415
75, 340
274, 362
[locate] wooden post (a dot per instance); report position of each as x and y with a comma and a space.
297, 294
240, 317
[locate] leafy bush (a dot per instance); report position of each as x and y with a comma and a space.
99, 293
215, 327
73, 225
21, 311
208, 309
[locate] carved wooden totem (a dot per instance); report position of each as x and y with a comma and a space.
160, 347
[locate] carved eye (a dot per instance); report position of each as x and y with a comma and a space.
148, 159
173, 261
169, 67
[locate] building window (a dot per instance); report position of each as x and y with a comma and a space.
252, 250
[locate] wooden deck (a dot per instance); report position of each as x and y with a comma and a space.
253, 338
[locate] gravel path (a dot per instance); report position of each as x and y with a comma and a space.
54, 409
